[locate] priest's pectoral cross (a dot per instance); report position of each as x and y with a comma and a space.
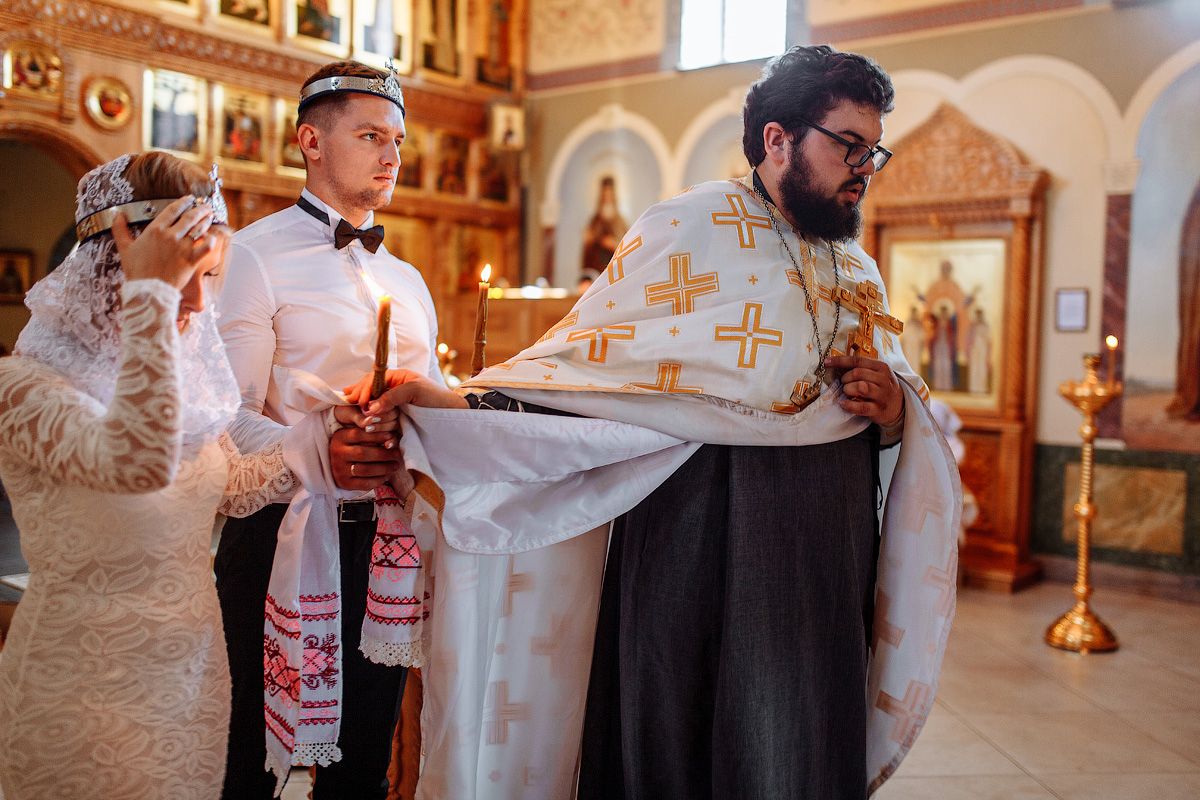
867, 302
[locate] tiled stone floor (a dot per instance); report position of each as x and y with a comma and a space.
1015, 719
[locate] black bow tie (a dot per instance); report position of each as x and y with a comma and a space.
345, 233
371, 238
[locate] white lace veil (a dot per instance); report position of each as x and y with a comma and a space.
76, 322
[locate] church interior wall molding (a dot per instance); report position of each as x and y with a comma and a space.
1079, 80
1151, 89
702, 123
608, 119
75, 155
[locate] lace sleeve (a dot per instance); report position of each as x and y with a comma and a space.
255, 479
133, 448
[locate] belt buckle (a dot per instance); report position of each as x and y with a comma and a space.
342, 504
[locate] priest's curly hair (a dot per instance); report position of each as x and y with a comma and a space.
806, 83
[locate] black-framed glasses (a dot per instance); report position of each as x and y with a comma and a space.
857, 153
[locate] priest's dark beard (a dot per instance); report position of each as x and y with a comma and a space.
813, 212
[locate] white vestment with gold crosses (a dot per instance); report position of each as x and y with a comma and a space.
698, 332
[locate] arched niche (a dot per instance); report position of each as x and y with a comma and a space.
955, 222
621, 154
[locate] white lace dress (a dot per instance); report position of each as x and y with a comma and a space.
114, 681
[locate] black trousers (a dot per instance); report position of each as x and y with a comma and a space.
731, 648
370, 692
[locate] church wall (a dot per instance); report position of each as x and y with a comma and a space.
468, 188
1069, 90
32, 227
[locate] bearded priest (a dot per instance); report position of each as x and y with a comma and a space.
732, 377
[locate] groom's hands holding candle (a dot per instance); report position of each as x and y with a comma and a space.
365, 453
406, 387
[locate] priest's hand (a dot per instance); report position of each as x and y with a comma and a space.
411, 388
363, 460
371, 423
872, 390
172, 245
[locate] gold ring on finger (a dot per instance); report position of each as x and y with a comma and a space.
352, 466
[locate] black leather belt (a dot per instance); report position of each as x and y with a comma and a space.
356, 511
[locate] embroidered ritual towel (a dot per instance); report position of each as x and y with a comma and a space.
303, 647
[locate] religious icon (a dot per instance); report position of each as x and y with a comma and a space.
603, 231
255, 11
109, 103
506, 125
384, 30
412, 157
16, 273
441, 22
407, 238
321, 24
242, 118
175, 112
493, 175
33, 69
452, 164
288, 149
493, 59
949, 295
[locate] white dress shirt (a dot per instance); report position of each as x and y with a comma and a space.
292, 299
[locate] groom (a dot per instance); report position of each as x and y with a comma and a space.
298, 295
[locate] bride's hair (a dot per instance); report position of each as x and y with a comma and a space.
155, 175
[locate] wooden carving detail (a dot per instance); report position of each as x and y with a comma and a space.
114, 29
948, 158
978, 475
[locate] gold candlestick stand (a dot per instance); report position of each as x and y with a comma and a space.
1080, 629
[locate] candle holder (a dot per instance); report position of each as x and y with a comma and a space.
1080, 629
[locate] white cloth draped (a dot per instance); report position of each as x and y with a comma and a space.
698, 332
514, 613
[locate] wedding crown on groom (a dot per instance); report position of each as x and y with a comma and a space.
388, 87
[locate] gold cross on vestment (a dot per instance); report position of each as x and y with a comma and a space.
683, 287
616, 267
565, 322
749, 335
867, 302
743, 219
668, 381
598, 339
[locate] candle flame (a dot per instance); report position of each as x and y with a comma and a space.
376, 289
1111, 341
486, 273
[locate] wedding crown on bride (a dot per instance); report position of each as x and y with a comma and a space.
142, 211
388, 87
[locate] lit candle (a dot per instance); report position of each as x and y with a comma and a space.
383, 332
1111, 341
481, 321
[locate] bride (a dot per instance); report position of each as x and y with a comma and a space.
114, 681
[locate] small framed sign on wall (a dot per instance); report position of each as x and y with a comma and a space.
1071, 310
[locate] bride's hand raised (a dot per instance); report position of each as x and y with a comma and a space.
406, 388
171, 246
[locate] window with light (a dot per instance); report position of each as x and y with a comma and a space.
726, 31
